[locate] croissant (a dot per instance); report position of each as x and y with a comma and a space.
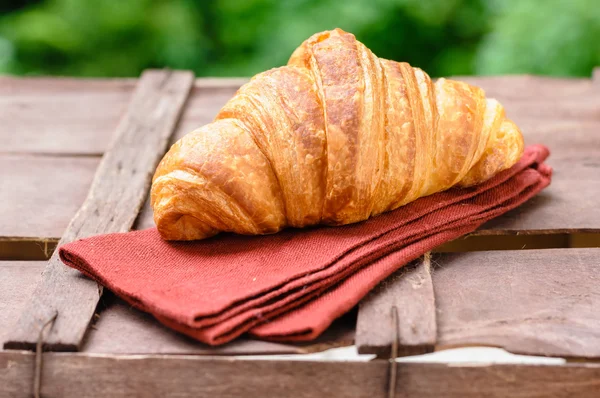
335, 137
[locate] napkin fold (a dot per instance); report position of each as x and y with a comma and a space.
292, 285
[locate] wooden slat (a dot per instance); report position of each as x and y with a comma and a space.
60, 116
568, 140
116, 195
409, 291
529, 87
561, 113
541, 302
78, 375
71, 115
203, 105
17, 282
40, 194
120, 329
569, 204
538, 302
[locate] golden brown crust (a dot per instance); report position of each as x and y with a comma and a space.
336, 136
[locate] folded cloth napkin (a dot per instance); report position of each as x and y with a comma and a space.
290, 286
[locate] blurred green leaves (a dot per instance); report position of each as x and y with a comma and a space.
244, 37
554, 37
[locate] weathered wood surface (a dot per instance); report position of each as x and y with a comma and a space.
81, 375
563, 114
75, 116
569, 204
114, 200
40, 194
61, 116
409, 291
17, 282
542, 302
120, 329
538, 302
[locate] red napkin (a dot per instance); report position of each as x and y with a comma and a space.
291, 285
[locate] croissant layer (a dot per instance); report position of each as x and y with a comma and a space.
334, 137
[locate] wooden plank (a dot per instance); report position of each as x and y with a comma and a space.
531, 87
37, 182
563, 114
117, 193
40, 194
542, 302
120, 329
78, 375
569, 140
409, 291
71, 115
17, 282
204, 103
60, 116
568, 205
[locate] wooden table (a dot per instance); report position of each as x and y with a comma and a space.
76, 156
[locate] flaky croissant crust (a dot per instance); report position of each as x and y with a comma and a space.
336, 136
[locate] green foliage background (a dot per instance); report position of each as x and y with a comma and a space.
244, 37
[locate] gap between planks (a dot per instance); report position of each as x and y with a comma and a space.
118, 191
39, 249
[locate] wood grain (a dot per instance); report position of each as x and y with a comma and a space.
117, 193
61, 115
569, 204
542, 302
410, 292
531, 87
74, 116
563, 114
41, 194
17, 281
79, 375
